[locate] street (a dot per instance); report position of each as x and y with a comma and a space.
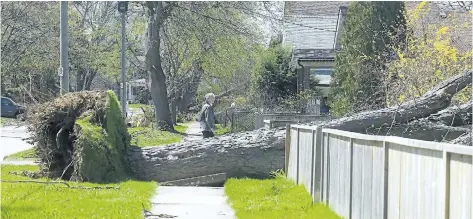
12, 140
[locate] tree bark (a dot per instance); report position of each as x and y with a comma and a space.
173, 112
421, 130
155, 69
89, 79
454, 115
251, 154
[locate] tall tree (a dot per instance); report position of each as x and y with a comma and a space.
29, 41
94, 47
221, 18
367, 40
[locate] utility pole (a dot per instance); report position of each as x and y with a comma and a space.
63, 70
122, 8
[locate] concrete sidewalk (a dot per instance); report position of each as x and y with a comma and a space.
191, 203
193, 132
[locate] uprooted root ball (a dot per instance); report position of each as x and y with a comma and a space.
81, 136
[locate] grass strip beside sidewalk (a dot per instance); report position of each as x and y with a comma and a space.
44, 201
277, 198
28, 154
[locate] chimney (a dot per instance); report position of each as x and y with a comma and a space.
342, 14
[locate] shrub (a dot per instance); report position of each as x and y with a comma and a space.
433, 55
81, 136
357, 82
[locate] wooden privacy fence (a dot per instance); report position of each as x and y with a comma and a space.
366, 176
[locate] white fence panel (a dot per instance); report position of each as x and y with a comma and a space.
419, 181
364, 176
367, 179
460, 187
305, 158
293, 166
339, 174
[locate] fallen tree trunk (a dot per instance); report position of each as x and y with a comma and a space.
438, 98
421, 130
454, 115
465, 139
250, 154
257, 153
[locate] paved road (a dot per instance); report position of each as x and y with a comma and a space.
12, 140
191, 203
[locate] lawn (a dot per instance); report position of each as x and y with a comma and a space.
147, 136
137, 105
22, 155
9, 121
44, 201
220, 130
273, 199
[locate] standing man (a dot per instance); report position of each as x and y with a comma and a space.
207, 116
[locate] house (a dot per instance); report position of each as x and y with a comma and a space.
313, 28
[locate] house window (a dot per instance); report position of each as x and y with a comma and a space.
322, 75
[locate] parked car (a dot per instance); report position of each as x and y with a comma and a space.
12, 109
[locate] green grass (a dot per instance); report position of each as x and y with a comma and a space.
137, 105
219, 130
8, 121
22, 155
41, 201
273, 199
147, 136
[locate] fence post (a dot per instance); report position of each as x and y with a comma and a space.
317, 165
327, 171
297, 157
259, 123
446, 183
385, 179
225, 119
350, 193
232, 122
312, 167
287, 147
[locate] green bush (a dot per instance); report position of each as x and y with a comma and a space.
367, 40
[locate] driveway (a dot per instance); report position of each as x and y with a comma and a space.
12, 140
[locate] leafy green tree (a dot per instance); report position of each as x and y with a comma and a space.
366, 41
29, 44
208, 22
276, 81
94, 42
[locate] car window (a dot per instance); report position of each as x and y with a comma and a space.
6, 102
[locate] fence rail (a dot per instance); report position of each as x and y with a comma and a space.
365, 176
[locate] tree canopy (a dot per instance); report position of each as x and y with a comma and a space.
366, 41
